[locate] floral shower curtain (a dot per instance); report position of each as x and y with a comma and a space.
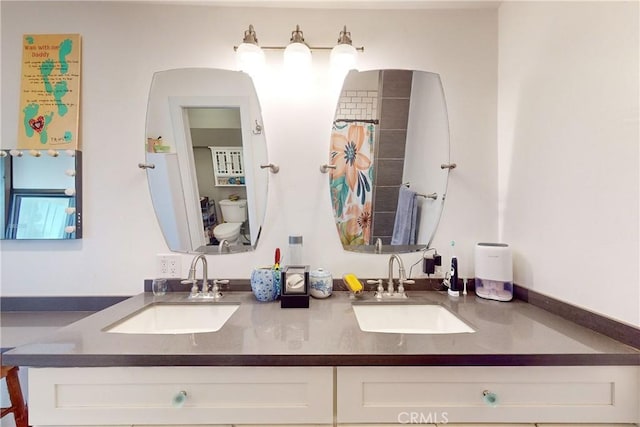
351, 180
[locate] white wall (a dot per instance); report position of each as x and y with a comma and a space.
568, 151
123, 44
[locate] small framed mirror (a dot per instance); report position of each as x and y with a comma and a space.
389, 140
41, 194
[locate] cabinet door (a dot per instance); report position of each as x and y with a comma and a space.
457, 394
229, 395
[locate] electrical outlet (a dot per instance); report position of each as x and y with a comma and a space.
169, 265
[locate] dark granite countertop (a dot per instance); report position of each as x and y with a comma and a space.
327, 334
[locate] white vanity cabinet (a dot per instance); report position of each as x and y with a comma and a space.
364, 396
420, 395
127, 396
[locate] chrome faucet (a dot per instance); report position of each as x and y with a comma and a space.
378, 246
192, 277
222, 245
402, 278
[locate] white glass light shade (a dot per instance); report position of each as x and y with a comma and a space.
297, 57
250, 57
343, 57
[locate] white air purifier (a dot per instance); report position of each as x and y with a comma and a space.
494, 271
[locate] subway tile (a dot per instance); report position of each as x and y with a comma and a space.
351, 93
362, 93
356, 99
372, 93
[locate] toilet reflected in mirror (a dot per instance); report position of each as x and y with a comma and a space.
234, 216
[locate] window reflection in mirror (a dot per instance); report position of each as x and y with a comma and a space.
207, 185
389, 137
41, 197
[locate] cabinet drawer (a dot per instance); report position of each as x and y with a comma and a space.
455, 394
229, 395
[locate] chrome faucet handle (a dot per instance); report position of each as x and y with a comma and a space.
380, 289
194, 285
216, 288
401, 283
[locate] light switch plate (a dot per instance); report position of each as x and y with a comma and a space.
169, 265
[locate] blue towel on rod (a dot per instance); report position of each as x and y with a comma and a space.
404, 227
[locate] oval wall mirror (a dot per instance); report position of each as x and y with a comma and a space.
389, 140
205, 144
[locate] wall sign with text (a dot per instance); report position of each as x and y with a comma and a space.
50, 92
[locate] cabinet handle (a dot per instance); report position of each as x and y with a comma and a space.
490, 398
179, 399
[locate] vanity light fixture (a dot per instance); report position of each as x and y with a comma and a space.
343, 55
249, 55
3, 153
34, 153
297, 54
16, 153
53, 153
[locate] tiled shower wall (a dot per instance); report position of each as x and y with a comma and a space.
395, 90
361, 104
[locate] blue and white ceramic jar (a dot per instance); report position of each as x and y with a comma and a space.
265, 284
321, 283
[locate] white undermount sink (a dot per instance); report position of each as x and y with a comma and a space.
409, 319
189, 318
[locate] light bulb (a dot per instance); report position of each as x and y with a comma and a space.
297, 58
343, 57
250, 57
